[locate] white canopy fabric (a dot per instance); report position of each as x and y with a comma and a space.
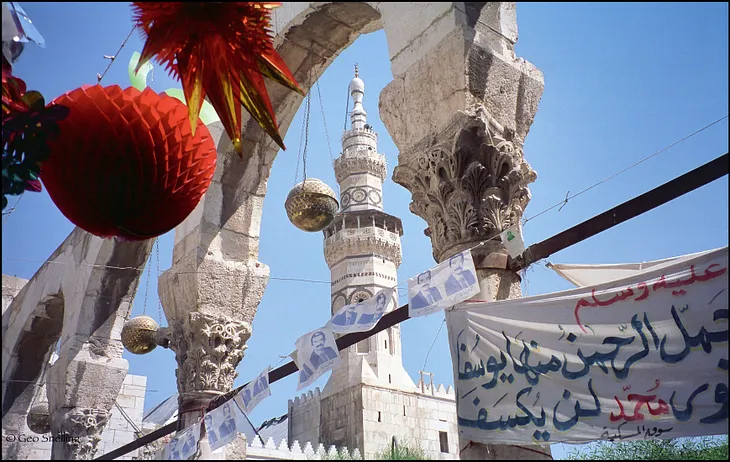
590, 275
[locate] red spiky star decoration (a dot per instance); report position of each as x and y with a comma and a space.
222, 50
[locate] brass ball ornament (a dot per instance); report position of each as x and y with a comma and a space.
311, 205
39, 419
138, 335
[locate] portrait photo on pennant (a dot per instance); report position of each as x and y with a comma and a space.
637, 358
317, 353
254, 392
185, 444
450, 282
362, 316
220, 425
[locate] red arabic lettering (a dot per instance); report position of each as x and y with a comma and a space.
642, 286
656, 382
626, 387
662, 408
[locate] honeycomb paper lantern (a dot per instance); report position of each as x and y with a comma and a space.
125, 162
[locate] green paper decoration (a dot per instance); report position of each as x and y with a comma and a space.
139, 81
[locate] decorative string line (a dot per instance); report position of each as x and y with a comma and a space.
483, 242
113, 58
64, 383
8, 212
432, 344
567, 197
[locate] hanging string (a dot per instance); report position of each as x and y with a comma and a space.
159, 273
12, 209
113, 57
347, 110
147, 284
307, 110
326, 133
306, 136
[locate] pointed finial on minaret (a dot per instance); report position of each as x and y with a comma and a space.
356, 72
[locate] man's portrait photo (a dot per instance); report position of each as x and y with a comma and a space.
212, 435
460, 278
189, 445
174, 453
246, 396
321, 353
348, 317
260, 386
381, 301
305, 373
229, 423
427, 295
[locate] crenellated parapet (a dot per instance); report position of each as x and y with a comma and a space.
271, 451
305, 397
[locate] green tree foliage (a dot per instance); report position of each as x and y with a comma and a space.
707, 448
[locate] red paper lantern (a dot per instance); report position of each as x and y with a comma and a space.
126, 163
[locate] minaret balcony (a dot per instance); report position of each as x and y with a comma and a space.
363, 241
363, 161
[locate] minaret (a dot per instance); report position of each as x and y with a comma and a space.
362, 249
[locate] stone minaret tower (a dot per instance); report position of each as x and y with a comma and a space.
362, 249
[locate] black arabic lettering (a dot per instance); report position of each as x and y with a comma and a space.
494, 368
600, 359
531, 373
703, 338
721, 393
686, 414
579, 411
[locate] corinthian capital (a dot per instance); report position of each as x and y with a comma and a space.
77, 432
468, 182
208, 348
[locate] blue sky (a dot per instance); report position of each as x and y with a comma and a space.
621, 82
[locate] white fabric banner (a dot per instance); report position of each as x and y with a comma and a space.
447, 284
588, 275
254, 392
220, 425
645, 357
362, 316
184, 444
317, 353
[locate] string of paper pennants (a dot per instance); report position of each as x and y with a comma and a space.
448, 283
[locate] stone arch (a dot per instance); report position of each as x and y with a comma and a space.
29, 361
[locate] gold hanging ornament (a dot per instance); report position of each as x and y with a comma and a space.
138, 335
311, 205
39, 419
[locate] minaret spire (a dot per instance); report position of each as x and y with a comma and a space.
358, 116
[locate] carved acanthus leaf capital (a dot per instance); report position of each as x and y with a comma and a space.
208, 349
78, 432
468, 182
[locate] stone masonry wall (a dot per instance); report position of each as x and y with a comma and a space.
341, 421
304, 418
415, 419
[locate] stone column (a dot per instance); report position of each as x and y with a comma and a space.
459, 109
211, 292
